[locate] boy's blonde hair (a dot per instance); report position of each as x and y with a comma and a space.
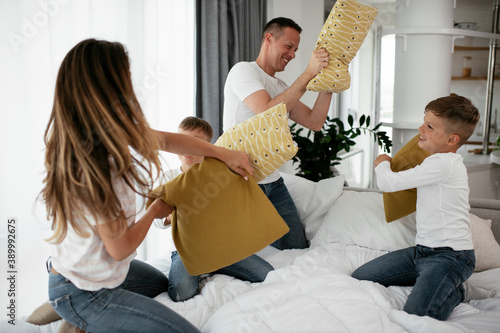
191, 123
460, 115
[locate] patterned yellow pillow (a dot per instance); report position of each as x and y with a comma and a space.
213, 224
266, 138
341, 36
401, 203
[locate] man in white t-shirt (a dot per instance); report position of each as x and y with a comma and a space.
252, 88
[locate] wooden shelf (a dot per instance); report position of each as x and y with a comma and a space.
471, 78
472, 48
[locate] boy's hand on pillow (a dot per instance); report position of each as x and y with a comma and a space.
161, 210
381, 158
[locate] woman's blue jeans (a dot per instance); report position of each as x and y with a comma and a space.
127, 308
436, 275
278, 194
183, 286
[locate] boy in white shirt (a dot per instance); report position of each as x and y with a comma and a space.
443, 258
183, 286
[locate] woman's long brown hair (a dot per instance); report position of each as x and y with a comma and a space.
95, 118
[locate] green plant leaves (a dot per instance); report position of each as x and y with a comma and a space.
350, 120
318, 150
362, 120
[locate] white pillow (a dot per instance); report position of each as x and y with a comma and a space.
485, 245
313, 199
359, 218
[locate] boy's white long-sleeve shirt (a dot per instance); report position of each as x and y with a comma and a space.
442, 199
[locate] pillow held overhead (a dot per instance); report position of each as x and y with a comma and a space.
401, 203
219, 218
342, 35
265, 137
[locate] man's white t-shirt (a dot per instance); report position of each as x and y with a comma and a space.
244, 79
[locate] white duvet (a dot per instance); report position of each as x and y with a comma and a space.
317, 294
312, 290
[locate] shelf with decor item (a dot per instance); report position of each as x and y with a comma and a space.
473, 78
472, 52
482, 47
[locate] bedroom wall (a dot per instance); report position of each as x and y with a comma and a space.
309, 15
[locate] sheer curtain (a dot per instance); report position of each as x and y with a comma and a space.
36, 35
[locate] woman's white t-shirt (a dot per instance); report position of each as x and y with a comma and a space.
85, 261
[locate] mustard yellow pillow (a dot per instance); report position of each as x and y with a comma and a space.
401, 203
219, 218
342, 35
265, 137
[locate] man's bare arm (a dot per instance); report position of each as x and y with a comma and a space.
314, 119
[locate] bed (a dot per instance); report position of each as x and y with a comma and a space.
311, 290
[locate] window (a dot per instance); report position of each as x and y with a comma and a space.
159, 35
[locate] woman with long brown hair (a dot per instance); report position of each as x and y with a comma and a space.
100, 152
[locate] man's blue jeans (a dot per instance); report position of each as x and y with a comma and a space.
278, 194
127, 308
183, 286
436, 275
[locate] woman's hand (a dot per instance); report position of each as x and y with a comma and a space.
237, 161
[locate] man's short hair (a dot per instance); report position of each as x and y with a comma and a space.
276, 26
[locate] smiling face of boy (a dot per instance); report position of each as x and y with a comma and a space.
434, 136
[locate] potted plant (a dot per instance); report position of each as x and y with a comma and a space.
319, 150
